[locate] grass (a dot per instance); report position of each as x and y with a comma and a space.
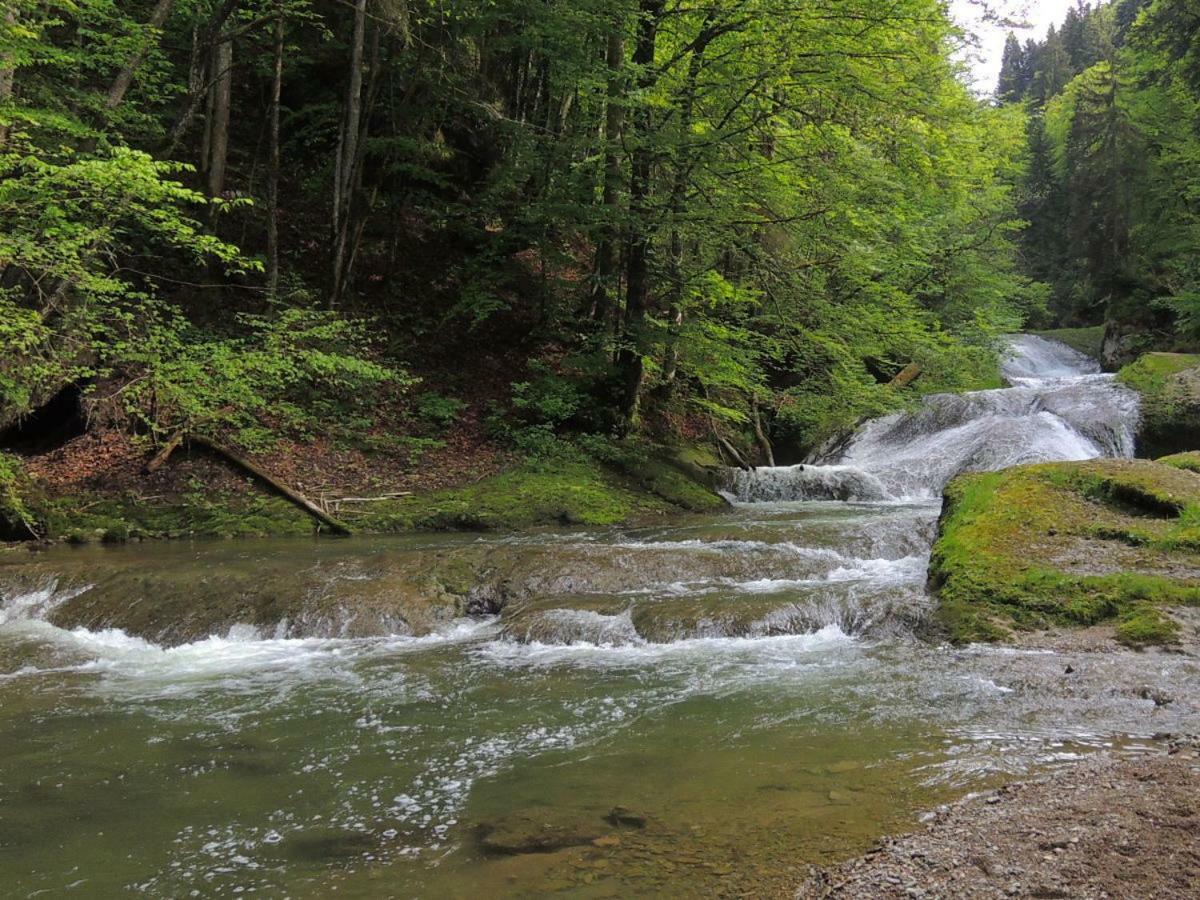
1069, 544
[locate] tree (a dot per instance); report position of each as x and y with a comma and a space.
1011, 88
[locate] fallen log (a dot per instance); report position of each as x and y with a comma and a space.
161, 457
907, 375
288, 493
732, 451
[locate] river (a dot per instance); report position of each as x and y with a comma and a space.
748, 691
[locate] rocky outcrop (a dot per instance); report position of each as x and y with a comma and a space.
1069, 544
1169, 387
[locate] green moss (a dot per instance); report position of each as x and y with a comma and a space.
610, 483
1145, 625
1189, 461
1169, 385
554, 493
88, 517
1088, 341
1068, 544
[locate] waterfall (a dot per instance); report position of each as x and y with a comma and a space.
1059, 406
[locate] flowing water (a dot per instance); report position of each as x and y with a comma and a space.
745, 690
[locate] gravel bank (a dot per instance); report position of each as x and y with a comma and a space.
1107, 828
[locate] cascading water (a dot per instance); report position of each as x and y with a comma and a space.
323, 717
1059, 407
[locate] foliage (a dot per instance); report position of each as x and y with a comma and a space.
294, 371
702, 217
439, 410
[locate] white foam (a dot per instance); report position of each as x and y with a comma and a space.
243, 653
507, 652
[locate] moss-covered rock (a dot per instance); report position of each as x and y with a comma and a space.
1069, 544
84, 518
1169, 385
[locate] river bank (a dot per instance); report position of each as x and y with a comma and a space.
1107, 827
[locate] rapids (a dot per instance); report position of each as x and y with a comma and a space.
746, 685
1058, 407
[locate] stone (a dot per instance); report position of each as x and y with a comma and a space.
541, 830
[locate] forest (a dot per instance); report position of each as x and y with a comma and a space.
420, 231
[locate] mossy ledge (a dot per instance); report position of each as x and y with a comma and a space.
1069, 545
627, 484
1169, 386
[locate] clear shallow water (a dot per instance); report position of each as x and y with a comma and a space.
748, 685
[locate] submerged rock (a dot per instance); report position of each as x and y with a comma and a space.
542, 829
1069, 544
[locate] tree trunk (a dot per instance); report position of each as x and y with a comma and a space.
222, 97
199, 81
630, 362
603, 298
124, 79
760, 434
683, 165
348, 149
8, 77
275, 154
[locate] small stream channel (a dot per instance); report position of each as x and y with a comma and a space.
746, 690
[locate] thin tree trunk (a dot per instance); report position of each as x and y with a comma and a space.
348, 149
354, 222
630, 362
760, 434
603, 297
123, 81
8, 77
275, 153
200, 79
683, 165
222, 97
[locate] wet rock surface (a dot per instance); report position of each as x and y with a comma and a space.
1104, 828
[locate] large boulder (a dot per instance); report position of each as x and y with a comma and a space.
1169, 386
1069, 544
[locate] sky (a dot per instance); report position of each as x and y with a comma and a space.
1039, 15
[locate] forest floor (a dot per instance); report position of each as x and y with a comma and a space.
1106, 828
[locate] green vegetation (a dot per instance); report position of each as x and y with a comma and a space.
1169, 385
614, 484
1112, 97
16, 519
607, 484
1189, 461
1069, 544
